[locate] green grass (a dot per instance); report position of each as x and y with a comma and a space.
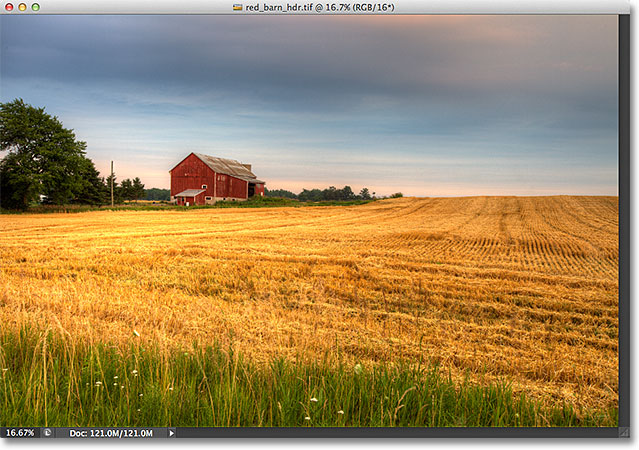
48, 381
253, 202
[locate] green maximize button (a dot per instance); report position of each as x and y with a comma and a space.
35, 7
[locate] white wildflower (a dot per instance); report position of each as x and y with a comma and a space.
358, 369
115, 377
314, 400
134, 372
307, 418
98, 383
141, 394
340, 412
135, 332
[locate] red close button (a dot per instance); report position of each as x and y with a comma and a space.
8, 7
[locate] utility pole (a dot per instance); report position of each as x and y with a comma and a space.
111, 183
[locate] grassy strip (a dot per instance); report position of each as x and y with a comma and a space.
253, 202
47, 380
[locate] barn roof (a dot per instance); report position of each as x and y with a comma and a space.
227, 166
251, 180
190, 193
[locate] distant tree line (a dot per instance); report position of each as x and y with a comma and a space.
157, 194
45, 163
329, 194
282, 193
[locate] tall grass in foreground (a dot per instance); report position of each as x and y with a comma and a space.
48, 380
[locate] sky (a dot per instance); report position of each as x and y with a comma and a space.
423, 105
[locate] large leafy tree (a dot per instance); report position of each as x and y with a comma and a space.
43, 158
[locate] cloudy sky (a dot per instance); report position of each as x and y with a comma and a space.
425, 105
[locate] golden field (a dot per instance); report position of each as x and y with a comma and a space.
523, 289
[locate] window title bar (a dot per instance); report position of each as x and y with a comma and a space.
239, 7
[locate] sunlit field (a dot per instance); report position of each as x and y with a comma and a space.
483, 311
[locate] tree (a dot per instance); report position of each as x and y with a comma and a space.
44, 158
397, 195
346, 193
330, 194
364, 194
17, 187
94, 189
126, 189
117, 191
138, 189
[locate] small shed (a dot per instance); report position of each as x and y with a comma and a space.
190, 197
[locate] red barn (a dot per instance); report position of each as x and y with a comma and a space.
202, 180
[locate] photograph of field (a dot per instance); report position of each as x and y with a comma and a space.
310, 220
411, 311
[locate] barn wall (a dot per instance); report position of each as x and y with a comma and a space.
238, 188
192, 173
183, 200
230, 187
259, 190
199, 199
221, 185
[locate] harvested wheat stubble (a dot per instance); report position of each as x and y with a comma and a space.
517, 288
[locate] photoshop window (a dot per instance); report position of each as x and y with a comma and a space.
278, 219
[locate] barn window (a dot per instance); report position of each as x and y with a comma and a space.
204, 186
208, 198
